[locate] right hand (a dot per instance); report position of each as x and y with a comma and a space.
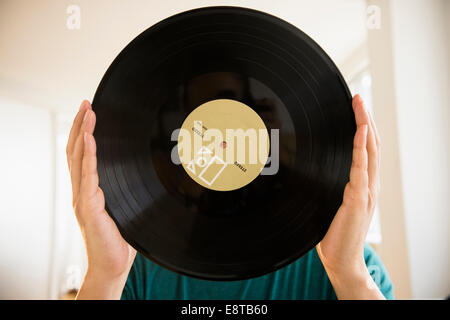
109, 256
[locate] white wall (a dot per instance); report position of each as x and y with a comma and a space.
394, 247
26, 198
421, 68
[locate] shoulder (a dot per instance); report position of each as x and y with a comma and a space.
378, 272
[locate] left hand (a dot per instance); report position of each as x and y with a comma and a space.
342, 249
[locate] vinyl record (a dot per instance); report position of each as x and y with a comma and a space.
226, 66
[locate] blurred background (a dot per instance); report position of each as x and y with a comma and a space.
53, 54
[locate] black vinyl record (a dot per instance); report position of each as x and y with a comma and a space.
183, 62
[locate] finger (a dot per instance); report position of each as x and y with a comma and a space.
88, 122
358, 171
377, 138
361, 115
74, 131
75, 168
88, 126
89, 175
372, 151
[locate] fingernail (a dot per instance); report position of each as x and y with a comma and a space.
85, 103
360, 100
86, 115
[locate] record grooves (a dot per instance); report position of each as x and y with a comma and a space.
214, 56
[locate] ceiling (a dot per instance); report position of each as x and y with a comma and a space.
44, 64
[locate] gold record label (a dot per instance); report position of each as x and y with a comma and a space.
223, 145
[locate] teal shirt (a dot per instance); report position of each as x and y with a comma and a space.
303, 279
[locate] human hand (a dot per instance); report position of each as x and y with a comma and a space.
109, 256
342, 249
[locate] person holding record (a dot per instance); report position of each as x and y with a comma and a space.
341, 266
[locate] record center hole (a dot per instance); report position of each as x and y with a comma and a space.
223, 144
